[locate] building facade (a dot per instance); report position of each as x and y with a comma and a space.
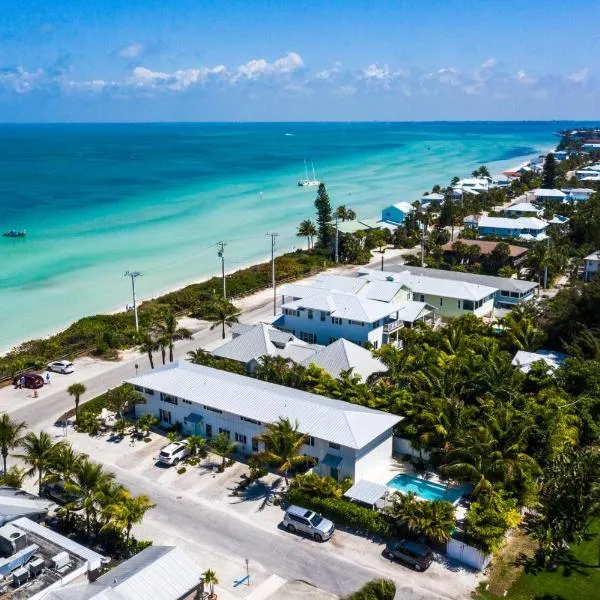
591, 266
396, 213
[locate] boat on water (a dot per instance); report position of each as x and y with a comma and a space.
306, 182
13, 233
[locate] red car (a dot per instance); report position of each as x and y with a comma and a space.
33, 381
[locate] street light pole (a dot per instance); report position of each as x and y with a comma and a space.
133, 275
221, 254
273, 237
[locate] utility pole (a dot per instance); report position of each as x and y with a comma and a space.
273, 237
221, 254
422, 244
546, 264
133, 275
337, 239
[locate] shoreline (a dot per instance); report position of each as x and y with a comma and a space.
182, 284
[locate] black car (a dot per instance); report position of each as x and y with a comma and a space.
56, 491
418, 555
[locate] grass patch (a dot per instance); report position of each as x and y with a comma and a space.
577, 579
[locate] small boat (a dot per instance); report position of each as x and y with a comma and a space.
306, 182
13, 233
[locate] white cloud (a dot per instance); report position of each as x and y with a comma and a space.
22, 81
327, 74
132, 51
490, 63
579, 76
522, 77
374, 71
178, 81
253, 69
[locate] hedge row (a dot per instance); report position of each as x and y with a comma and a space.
343, 512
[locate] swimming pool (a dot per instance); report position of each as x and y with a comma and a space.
427, 490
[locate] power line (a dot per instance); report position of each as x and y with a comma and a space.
273, 237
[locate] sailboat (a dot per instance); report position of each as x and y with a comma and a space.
306, 182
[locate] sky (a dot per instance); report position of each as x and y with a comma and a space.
281, 60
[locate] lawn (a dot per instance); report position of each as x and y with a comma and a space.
579, 580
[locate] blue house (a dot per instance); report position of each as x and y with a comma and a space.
396, 213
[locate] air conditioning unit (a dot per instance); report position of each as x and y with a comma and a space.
12, 539
60, 560
36, 566
20, 576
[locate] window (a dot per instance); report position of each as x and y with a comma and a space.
376, 324
213, 409
225, 431
240, 438
149, 391
310, 313
441, 301
311, 338
375, 344
422, 297
323, 315
254, 444
468, 305
505, 293
250, 420
167, 398
309, 440
514, 294
164, 416
458, 303
186, 401
208, 431
336, 320
137, 388
334, 445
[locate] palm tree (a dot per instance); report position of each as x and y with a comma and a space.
222, 446
210, 578
308, 230
405, 509
13, 477
65, 462
196, 444
123, 398
437, 520
148, 345
274, 369
350, 215
170, 332
283, 443
76, 390
10, 436
146, 422
39, 454
85, 482
129, 511
222, 313
537, 261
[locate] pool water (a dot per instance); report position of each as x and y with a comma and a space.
427, 490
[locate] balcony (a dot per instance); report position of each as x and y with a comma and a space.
393, 326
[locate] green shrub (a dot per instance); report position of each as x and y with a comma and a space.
378, 589
181, 470
342, 512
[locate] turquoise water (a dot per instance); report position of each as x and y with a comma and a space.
428, 490
98, 200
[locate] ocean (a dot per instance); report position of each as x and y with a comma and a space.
99, 199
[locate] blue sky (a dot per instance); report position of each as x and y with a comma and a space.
156, 60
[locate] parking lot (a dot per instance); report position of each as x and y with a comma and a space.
236, 520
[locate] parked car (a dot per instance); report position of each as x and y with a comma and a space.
174, 453
418, 555
61, 366
56, 491
32, 381
307, 521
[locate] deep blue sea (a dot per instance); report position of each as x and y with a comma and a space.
97, 200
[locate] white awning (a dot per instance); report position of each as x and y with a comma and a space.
366, 492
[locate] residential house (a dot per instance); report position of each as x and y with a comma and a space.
525, 228
577, 194
431, 199
516, 253
543, 194
525, 360
508, 290
591, 265
523, 209
357, 225
335, 307
250, 342
473, 184
396, 213
16, 503
347, 440
163, 572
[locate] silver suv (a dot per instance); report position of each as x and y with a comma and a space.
309, 522
173, 453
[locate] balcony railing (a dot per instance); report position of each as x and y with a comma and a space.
393, 326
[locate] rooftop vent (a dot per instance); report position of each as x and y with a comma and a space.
12, 539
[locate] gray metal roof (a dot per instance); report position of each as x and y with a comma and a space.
500, 283
524, 360
367, 492
343, 355
156, 573
340, 422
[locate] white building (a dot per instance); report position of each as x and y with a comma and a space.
347, 440
577, 194
525, 360
361, 311
522, 209
473, 184
250, 342
525, 228
541, 194
591, 265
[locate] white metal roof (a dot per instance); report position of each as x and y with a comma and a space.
547, 193
367, 492
340, 422
593, 256
405, 207
338, 283
343, 355
507, 223
432, 197
523, 207
524, 360
448, 289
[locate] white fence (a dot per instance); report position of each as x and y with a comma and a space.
403, 446
467, 554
